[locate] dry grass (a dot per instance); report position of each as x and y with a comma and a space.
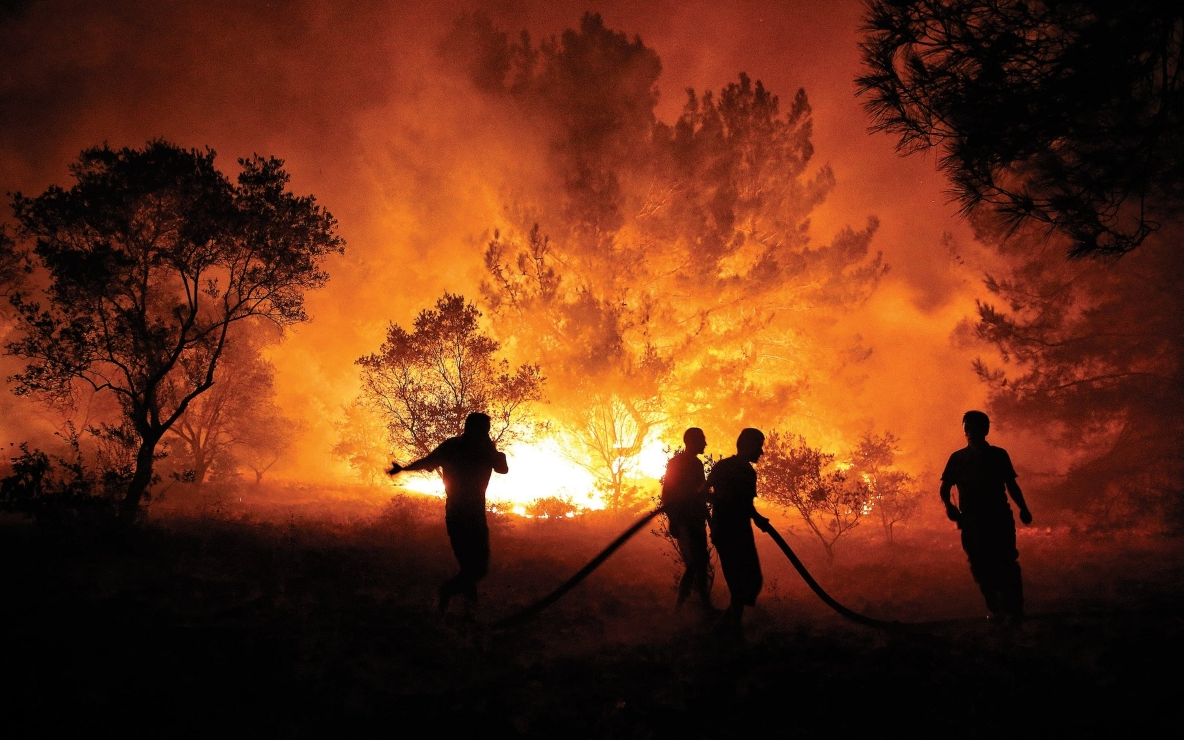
303, 621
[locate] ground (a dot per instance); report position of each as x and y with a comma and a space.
301, 627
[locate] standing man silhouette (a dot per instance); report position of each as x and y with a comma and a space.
685, 502
983, 475
467, 462
733, 488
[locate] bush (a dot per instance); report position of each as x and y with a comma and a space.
798, 476
58, 490
551, 507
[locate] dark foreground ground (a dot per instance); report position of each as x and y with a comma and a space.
192, 626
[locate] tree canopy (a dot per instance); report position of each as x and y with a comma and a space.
1066, 115
423, 383
795, 475
1092, 360
668, 271
236, 420
140, 269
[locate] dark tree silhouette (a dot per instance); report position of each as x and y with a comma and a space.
1092, 360
12, 267
263, 435
145, 264
425, 382
1065, 114
795, 475
236, 420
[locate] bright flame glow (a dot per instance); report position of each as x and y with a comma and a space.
429, 484
651, 461
537, 470
540, 470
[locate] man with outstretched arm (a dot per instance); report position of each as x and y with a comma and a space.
732, 490
984, 476
466, 462
684, 500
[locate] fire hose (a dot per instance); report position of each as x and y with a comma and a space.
583, 573
613, 546
818, 590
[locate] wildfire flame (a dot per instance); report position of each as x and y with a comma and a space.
543, 469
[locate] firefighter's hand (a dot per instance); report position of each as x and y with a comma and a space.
1025, 515
953, 513
762, 523
394, 469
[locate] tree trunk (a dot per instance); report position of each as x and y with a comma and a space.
201, 467
141, 479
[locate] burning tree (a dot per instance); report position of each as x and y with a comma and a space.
793, 474
669, 266
142, 268
611, 433
890, 491
425, 382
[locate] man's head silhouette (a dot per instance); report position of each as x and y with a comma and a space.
976, 425
694, 440
750, 445
477, 424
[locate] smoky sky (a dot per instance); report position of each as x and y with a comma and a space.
371, 117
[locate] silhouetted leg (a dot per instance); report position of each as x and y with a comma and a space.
986, 575
469, 535
1011, 584
742, 571
982, 554
990, 547
682, 540
684, 585
1013, 590
1005, 569
691, 539
698, 566
732, 622
447, 590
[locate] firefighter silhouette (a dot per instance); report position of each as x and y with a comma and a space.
467, 462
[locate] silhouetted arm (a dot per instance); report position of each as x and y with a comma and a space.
430, 462
499, 462
707, 491
1018, 496
951, 510
761, 522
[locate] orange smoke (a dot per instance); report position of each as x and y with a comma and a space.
417, 165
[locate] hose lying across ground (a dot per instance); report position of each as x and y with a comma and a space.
613, 546
813, 584
583, 573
